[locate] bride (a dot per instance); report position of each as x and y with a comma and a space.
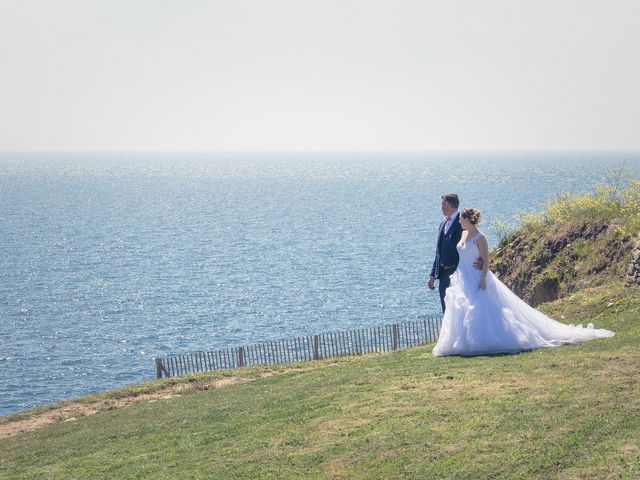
483, 316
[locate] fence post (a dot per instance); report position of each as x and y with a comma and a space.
316, 347
241, 357
158, 367
394, 330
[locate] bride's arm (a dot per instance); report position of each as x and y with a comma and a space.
483, 247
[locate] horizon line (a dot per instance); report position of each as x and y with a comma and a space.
320, 151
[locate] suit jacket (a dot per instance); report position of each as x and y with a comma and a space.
446, 251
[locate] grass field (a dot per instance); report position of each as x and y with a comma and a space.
567, 412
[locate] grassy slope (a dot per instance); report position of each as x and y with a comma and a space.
576, 241
574, 254
568, 412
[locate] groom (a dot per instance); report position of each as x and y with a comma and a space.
449, 234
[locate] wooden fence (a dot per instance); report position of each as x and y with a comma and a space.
312, 347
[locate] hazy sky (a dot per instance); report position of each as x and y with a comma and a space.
319, 75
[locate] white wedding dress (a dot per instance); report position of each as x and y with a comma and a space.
496, 320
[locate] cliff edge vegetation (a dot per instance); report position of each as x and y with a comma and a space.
576, 241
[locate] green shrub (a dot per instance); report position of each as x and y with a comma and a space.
614, 199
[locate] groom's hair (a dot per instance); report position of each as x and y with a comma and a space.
452, 199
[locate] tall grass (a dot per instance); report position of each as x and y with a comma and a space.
617, 199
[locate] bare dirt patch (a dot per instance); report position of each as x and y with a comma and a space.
70, 411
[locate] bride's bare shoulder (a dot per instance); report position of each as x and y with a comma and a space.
481, 238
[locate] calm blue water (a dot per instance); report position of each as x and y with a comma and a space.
110, 260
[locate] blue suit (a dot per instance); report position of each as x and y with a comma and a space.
447, 258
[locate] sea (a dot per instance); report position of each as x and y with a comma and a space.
108, 260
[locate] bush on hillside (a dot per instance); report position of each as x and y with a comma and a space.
574, 242
616, 199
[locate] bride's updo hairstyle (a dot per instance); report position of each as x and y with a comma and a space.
472, 215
